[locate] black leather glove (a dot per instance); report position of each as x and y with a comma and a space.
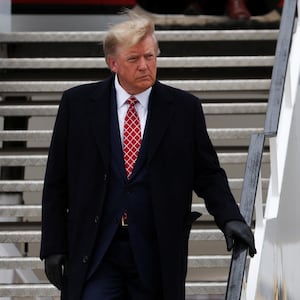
238, 232
54, 265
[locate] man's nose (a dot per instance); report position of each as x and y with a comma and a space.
142, 63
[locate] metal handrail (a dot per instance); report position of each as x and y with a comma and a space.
239, 255
280, 67
254, 160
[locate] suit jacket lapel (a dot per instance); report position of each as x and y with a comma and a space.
142, 153
160, 112
99, 109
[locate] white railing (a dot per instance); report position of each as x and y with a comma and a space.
274, 272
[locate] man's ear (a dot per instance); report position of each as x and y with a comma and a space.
112, 63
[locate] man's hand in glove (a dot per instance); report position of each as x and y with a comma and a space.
54, 265
237, 232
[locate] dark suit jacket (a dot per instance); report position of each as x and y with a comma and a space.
180, 159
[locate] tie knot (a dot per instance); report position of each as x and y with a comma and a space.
132, 101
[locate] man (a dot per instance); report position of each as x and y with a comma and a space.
115, 224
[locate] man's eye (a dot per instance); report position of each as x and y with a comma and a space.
132, 59
149, 56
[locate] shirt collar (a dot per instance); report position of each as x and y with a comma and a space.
122, 95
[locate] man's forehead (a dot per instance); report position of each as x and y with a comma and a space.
147, 42
137, 50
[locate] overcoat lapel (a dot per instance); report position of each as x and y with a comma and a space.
160, 112
142, 153
100, 118
117, 149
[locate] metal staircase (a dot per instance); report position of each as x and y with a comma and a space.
229, 70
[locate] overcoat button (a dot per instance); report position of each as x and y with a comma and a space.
105, 177
85, 259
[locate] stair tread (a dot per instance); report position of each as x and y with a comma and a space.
162, 35
13, 236
25, 159
45, 135
37, 185
193, 262
20, 236
44, 289
208, 108
162, 62
189, 85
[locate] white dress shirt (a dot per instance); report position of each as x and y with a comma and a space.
122, 107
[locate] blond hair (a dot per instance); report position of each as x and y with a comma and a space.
128, 33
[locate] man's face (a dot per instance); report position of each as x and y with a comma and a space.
135, 66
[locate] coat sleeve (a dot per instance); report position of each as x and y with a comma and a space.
55, 192
210, 180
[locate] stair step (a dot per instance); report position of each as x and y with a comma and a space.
163, 62
34, 236
205, 288
232, 108
41, 160
45, 135
208, 108
206, 235
20, 211
20, 236
47, 290
209, 261
28, 290
238, 89
23, 160
37, 185
35, 210
188, 85
28, 110
162, 35
10, 263
26, 211
205, 261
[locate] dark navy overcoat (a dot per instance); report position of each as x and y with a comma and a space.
180, 160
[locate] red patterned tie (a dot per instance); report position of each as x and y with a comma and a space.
132, 136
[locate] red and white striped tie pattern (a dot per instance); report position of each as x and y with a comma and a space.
132, 136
